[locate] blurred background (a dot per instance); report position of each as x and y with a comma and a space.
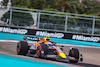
74, 16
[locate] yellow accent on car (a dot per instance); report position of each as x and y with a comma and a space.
39, 39
47, 36
46, 39
62, 55
45, 42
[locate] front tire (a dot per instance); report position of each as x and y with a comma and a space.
22, 48
74, 52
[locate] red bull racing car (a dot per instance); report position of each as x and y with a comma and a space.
45, 48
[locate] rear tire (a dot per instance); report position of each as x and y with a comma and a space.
74, 53
22, 48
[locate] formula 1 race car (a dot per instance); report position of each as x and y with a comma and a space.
45, 48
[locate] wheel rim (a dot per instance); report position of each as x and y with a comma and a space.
38, 51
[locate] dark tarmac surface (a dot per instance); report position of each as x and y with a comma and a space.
91, 55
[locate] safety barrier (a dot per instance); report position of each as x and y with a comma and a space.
50, 20
38, 32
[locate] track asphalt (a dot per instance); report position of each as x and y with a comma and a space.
8, 56
91, 55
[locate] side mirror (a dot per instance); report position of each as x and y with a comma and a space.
61, 49
62, 46
54, 43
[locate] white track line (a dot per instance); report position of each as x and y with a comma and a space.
57, 44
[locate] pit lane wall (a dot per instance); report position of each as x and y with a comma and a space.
16, 33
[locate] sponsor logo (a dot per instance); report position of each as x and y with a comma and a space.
16, 31
84, 38
56, 35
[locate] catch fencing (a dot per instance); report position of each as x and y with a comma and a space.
52, 21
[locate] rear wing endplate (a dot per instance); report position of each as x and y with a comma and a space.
32, 38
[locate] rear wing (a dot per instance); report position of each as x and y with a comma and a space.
32, 38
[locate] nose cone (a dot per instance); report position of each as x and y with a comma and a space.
61, 55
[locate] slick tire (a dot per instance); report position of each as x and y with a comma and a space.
22, 48
74, 53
